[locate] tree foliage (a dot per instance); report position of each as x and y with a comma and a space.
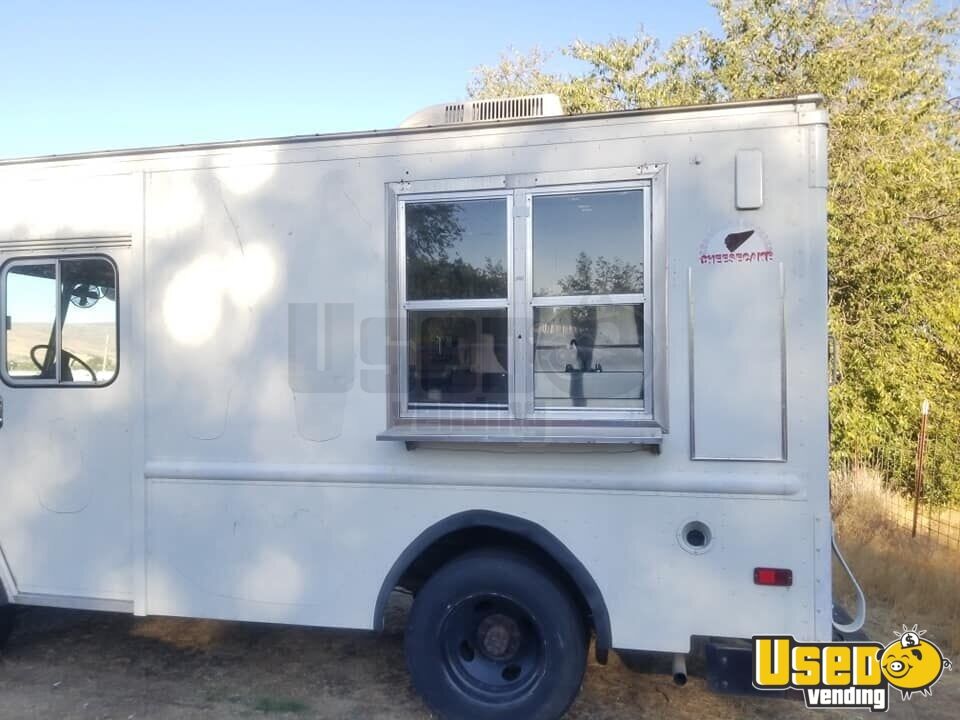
435, 268
601, 277
884, 68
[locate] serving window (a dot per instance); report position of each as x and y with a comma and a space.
455, 303
588, 262
524, 305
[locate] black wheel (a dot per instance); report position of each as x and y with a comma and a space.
6, 623
492, 636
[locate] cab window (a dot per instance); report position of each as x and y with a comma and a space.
60, 321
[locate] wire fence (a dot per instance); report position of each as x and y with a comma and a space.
937, 523
889, 480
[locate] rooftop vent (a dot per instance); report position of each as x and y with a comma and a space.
469, 111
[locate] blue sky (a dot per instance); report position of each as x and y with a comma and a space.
91, 75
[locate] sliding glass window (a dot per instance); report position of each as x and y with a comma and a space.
455, 299
588, 260
553, 326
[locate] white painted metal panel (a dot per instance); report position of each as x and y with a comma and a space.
749, 179
301, 553
49, 206
737, 360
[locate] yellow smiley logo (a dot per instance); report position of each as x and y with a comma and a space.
912, 664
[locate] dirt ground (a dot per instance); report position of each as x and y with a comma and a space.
81, 666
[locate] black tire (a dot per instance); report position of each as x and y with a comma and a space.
6, 623
493, 636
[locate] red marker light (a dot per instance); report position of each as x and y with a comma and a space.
780, 577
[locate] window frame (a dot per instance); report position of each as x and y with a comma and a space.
533, 302
551, 425
452, 411
55, 260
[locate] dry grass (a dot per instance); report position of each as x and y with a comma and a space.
199, 635
916, 579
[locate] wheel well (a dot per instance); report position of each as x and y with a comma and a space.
471, 530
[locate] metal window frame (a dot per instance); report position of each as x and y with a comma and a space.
519, 189
56, 261
450, 411
7, 267
533, 302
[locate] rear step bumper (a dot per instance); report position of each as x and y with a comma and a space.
730, 662
730, 668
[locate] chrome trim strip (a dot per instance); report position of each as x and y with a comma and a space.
525, 435
73, 602
468, 304
67, 243
691, 376
580, 477
568, 300
783, 365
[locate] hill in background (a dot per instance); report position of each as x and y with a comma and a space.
87, 341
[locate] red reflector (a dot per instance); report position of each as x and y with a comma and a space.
780, 577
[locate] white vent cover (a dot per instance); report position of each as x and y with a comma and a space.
468, 111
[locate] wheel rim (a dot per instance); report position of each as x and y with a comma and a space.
493, 648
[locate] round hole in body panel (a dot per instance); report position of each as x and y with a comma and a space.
695, 537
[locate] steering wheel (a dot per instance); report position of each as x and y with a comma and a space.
66, 354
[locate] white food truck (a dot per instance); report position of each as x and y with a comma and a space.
562, 378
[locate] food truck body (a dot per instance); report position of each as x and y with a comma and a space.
495, 354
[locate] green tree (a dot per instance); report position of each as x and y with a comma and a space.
434, 266
884, 68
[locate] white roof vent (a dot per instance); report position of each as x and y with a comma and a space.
468, 111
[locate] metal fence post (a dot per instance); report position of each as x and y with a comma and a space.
921, 450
